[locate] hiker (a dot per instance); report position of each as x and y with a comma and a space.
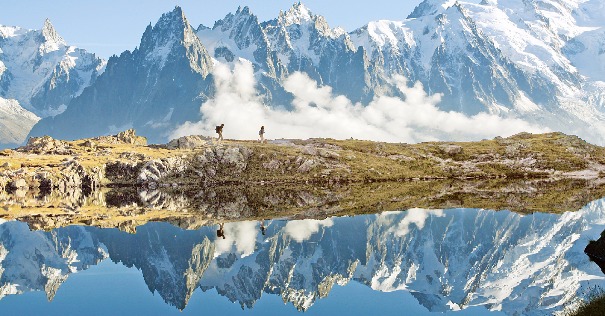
262, 227
220, 232
219, 131
261, 134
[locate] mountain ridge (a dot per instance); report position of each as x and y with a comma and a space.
524, 66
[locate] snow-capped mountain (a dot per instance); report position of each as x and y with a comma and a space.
448, 259
15, 122
504, 57
40, 261
538, 60
154, 87
41, 73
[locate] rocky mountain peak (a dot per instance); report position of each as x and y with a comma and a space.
170, 23
430, 7
50, 39
297, 14
50, 34
173, 32
241, 16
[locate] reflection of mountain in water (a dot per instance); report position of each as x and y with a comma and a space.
447, 259
34, 261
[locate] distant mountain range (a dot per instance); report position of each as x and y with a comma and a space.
539, 60
447, 259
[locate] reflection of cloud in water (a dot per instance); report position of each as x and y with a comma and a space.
414, 216
302, 230
241, 236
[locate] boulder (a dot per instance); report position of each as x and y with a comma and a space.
306, 166
18, 184
46, 145
129, 137
325, 153
189, 142
450, 149
126, 137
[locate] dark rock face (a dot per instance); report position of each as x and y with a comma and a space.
596, 251
153, 89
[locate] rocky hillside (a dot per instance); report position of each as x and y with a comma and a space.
200, 161
120, 181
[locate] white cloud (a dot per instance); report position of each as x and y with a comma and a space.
317, 112
414, 216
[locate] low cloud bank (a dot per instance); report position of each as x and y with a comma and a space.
317, 112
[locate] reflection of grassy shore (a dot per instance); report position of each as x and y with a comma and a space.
192, 207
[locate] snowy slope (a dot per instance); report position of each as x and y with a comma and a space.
538, 60
42, 73
15, 122
40, 66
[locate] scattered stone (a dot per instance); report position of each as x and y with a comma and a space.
234, 157
6, 152
89, 144
309, 150
514, 149
18, 184
400, 158
450, 149
129, 137
272, 165
306, 166
325, 153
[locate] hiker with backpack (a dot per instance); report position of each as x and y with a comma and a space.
261, 134
219, 131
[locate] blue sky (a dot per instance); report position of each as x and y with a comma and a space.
112, 26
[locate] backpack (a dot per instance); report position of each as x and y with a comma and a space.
218, 129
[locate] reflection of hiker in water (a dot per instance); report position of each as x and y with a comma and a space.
220, 231
219, 131
262, 227
261, 134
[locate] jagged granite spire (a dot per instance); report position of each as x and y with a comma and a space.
297, 14
152, 89
430, 7
168, 36
50, 34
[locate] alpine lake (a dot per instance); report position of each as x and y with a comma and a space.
233, 251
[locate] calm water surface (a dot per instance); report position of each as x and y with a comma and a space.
414, 262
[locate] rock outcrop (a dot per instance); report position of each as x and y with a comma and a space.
189, 142
126, 137
46, 145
